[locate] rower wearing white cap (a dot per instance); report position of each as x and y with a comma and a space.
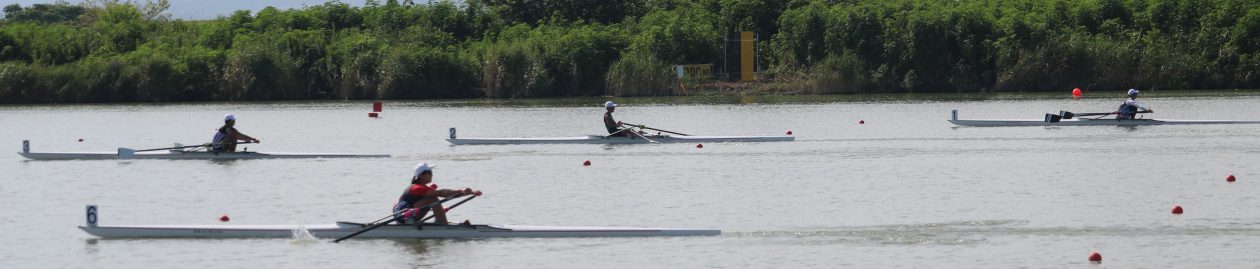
1131, 107
226, 138
613, 126
423, 192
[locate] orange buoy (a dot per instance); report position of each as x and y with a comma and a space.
224, 218
699, 146
1076, 92
1230, 178
861, 122
1094, 257
374, 114
1176, 209
789, 132
586, 163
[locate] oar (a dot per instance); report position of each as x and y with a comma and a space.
448, 209
617, 132
640, 126
1069, 115
378, 225
127, 153
644, 137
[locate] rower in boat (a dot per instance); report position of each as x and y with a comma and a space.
1131, 107
614, 127
411, 205
226, 138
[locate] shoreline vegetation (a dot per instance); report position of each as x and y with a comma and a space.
128, 51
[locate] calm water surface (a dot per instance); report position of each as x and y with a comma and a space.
903, 190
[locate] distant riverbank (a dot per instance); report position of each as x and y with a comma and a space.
124, 52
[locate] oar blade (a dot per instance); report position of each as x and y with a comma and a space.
1067, 115
126, 153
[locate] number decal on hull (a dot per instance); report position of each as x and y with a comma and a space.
91, 215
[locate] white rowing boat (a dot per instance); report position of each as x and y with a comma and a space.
341, 229
1055, 120
180, 155
600, 139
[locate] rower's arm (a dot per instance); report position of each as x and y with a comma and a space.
450, 192
242, 136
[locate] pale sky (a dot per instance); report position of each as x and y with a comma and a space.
209, 9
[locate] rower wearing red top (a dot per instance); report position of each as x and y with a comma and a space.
423, 192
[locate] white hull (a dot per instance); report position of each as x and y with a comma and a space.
1086, 122
180, 155
389, 231
1092, 122
597, 139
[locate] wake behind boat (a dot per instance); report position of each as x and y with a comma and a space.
1065, 118
605, 139
344, 229
179, 152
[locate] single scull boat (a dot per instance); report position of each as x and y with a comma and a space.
1063, 120
178, 154
601, 139
341, 229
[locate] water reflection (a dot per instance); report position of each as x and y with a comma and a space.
90, 246
421, 249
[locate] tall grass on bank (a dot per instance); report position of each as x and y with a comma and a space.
641, 74
130, 51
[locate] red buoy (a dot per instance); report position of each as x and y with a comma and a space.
861, 122
224, 218
699, 146
1229, 178
1095, 257
789, 132
1076, 92
374, 114
586, 163
1176, 209
376, 107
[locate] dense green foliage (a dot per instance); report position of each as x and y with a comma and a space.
106, 50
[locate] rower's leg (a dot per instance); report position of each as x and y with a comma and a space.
440, 214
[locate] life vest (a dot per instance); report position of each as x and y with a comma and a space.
217, 142
1127, 110
610, 124
409, 197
